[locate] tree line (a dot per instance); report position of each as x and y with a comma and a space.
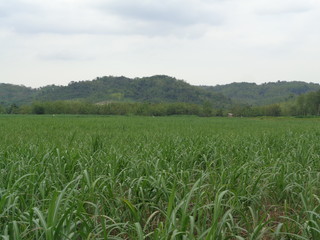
304, 105
113, 108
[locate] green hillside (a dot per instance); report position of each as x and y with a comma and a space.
153, 89
158, 89
267, 93
15, 94
150, 89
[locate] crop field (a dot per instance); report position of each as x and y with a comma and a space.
100, 177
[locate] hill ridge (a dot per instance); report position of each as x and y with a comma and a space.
157, 88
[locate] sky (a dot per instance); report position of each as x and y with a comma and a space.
204, 42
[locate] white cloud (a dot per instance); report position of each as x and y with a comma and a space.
148, 18
201, 41
267, 7
59, 18
176, 12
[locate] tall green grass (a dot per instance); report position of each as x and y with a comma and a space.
69, 177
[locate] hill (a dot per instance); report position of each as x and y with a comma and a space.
155, 89
267, 93
15, 94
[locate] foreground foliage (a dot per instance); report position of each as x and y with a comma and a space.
159, 178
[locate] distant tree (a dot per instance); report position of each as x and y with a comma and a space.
241, 110
301, 105
2, 109
207, 109
264, 94
12, 109
25, 109
158, 109
117, 96
38, 108
219, 113
313, 103
273, 110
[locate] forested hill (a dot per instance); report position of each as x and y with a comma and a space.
148, 89
267, 93
159, 88
155, 89
16, 94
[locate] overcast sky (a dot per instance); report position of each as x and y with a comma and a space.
204, 42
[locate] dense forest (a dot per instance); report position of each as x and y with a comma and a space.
263, 94
155, 89
15, 94
149, 89
162, 95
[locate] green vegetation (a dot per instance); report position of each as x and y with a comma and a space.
14, 94
163, 96
264, 94
118, 108
158, 89
84, 177
305, 105
308, 104
155, 89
